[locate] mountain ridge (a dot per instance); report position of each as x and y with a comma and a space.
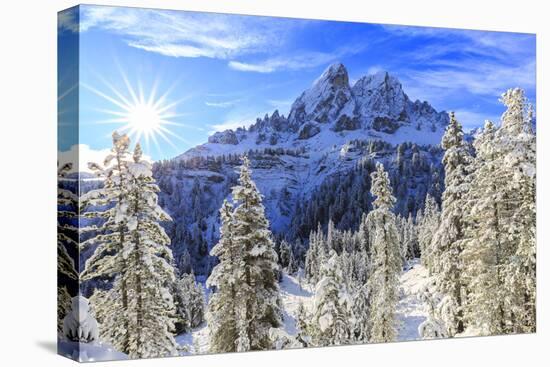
376, 106
311, 167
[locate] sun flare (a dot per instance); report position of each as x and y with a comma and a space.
145, 118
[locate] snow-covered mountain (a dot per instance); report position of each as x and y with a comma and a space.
309, 164
332, 112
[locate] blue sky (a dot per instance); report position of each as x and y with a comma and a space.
220, 71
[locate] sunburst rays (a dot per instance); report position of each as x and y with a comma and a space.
147, 117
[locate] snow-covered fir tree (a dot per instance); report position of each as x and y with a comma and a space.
500, 256
111, 239
332, 306
385, 261
448, 241
361, 314
256, 302
67, 237
189, 300
222, 315
302, 326
316, 254
258, 288
133, 248
428, 223
285, 254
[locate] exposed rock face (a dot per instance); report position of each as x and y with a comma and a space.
325, 100
385, 124
375, 103
309, 130
224, 137
345, 122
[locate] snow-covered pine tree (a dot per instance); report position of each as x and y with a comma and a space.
107, 260
428, 224
137, 254
259, 307
518, 141
285, 254
361, 314
500, 256
67, 236
189, 300
311, 259
413, 249
222, 316
448, 241
150, 271
302, 326
403, 236
316, 254
483, 255
385, 260
331, 315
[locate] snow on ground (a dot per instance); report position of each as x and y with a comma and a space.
195, 342
88, 352
293, 291
411, 311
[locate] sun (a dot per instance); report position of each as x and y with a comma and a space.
144, 120
147, 118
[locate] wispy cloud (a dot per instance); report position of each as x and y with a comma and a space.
222, 104
238, 118
280, 104
475, 77
449, 64
186, 34
302, 60
67, 20
227, 125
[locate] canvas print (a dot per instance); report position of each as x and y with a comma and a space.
233, 183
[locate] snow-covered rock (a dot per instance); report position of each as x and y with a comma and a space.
79, 325
89, 352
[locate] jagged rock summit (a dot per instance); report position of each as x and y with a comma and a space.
375, 108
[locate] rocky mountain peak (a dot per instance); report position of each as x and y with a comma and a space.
324, 101
335, 76
375, 104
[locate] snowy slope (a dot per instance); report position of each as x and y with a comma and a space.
88, 352
325, 135
411, 311
332, 112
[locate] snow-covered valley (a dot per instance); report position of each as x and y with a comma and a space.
411, 309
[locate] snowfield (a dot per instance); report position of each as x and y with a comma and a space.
411, 310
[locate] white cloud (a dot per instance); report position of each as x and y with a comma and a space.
265, 67
228, 125
476, 77
280, 103
84, 154
303, 60
456, 61
222, 104
187, 34
238, 118
374, 69
67, 20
